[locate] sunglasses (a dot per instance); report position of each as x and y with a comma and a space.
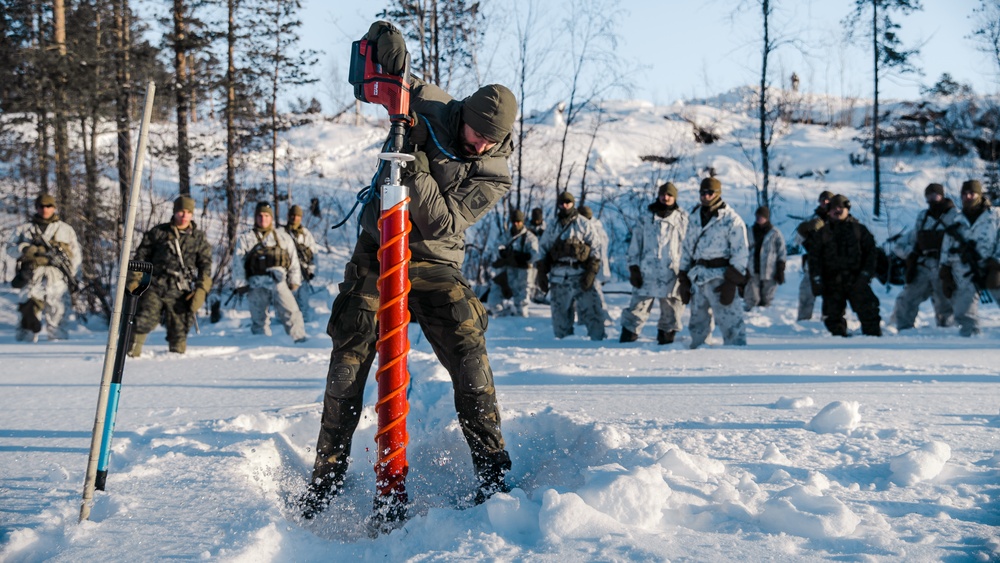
706, 192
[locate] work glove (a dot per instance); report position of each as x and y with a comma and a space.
779, 273
817, 285
948, 285
542, 277
590, 269
732, 281
684, 287
390, 47
197, 299
419, 165
992, 273
635, 276
132, 282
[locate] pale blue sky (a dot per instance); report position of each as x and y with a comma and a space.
689, 49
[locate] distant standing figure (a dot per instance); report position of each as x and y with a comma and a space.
842, 263
306, 248
978, 225
713, 267
49, 258
537, 227
654, 256
514, 261
803, 237
182, 277
767, 261
266, 261
922, 249
571, 260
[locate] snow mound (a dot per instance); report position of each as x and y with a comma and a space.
635, 497
839, 417
513, 516
689, 466
920, 464
804, 511
787, 403
567, 517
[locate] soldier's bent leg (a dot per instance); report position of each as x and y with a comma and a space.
258, 300
865, 305
908, 303
561, 294
965, 302
752, 293
637, 313
671, 309
178, 321
769, 288
287, 311
589, 307
834, 307
455, 322
31, 319
729, 318
944, 313
700, 323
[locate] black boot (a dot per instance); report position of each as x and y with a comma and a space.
665, 336
318, 495
29, 315
628, 336
492, 476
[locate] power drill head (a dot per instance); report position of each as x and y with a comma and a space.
373, 86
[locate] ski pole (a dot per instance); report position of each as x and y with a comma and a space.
109, 354
126, 328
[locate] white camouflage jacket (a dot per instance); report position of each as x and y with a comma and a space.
985, 232
656, 246
56, 231
581, 229
248, 240
725, 236
772, 251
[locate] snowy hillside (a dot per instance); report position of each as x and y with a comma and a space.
800, 446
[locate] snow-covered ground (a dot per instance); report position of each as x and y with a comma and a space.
800, 446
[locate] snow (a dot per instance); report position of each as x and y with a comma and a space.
799, 446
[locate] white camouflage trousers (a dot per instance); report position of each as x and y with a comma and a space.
517, 279
565, 295
807, 301
925, 285
264, 292
965, 302
761, 293
48, 287
705, 307
639, 308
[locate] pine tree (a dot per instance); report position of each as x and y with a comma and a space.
888, 55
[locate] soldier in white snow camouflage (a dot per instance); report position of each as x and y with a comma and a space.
571, 261
767, 261
513, 264
713, 268
654, 256
971, 250
921, 248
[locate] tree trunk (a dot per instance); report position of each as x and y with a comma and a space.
876, 142
232, 201
764, 158
181, 92
64, 190
274, 111
123, 102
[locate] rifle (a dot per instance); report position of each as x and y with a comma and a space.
186, 278
59, 260
969, 256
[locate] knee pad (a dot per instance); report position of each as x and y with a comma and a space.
474, 374
342, 380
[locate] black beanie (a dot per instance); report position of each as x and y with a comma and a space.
517, 216
491, 111
839, 201
934, 189
763, 211
566, 197
537, 215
